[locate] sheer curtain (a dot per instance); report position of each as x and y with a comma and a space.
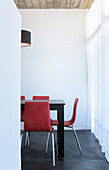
97, 27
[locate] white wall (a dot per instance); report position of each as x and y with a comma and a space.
55, 63
10, 26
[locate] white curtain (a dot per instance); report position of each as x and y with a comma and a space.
97, 27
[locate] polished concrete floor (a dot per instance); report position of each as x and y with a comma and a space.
34, 158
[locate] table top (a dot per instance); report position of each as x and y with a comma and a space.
50, 101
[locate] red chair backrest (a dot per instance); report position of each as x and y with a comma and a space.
40, 97
74, 111
37, 116
22, 97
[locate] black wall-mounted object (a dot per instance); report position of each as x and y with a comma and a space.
25, 38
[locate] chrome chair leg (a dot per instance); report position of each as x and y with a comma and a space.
53, 149
28, 138
47, 143
55, 143
77, 140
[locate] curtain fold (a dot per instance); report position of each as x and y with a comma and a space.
97, 27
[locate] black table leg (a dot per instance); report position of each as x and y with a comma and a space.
60, 130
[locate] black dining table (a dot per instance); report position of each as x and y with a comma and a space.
57, 105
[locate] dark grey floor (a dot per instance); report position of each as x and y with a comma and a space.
34, 157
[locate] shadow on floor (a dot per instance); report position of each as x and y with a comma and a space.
34, 158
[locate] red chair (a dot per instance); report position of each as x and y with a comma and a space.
27, 141
43, 98
68, 124
40, 97
37, 119
22, 97
22, 120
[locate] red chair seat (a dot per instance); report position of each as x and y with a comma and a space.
55, 123
67, 123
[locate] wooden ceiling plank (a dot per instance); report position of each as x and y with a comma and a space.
90, 4
35, 4
55, 4
83, 4
42, 4
66, 4
75, 3
63, 4
28, 3
49, 3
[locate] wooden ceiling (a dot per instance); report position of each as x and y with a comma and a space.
53, 4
